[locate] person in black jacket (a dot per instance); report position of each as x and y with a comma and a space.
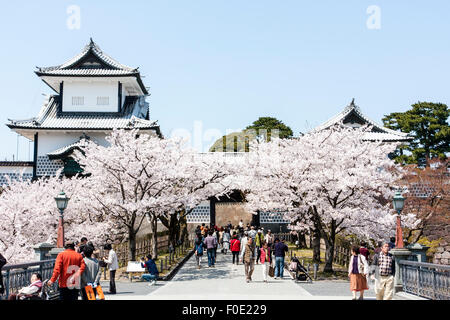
2, 263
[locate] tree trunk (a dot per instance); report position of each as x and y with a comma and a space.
302, 240
154, 223
172, 223
316, 245
329, 256
330, 242
183, 229
131, 244
172, 226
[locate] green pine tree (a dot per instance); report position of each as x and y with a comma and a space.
427, 123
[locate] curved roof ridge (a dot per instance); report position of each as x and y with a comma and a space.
95, 49
375, 124
338, 118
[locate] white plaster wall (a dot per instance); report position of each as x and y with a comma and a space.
90, 90
51, 141
124, 94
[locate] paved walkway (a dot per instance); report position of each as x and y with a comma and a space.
227, 281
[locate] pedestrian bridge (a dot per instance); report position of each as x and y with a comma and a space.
227, 282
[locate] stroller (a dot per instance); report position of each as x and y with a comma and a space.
49, 293
301, 274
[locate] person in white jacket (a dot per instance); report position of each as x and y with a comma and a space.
244, 241
113, 265
358, 269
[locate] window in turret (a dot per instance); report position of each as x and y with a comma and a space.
102, 101
77, 101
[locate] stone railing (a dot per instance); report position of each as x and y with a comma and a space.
426, 280
16, 276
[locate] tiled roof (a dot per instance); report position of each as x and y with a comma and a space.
70, 66
66, 149
16, 163
133, 115
88, 72
378, 132
91, 62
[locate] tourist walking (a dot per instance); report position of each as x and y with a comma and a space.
243, 240
203, 230
363, 250
2, 286
199, 250
221, 238
236, 232
280, 250
91, 275
215, 235
248, 259
82, 244
259, 240
210, 243
392, 243
252, 233
226, 241
69, 266
95, 252
384, 272
358, 269
113, 265
265, 258
378, 248
235, 248
269, 239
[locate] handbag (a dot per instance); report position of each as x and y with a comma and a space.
89, 292
100, 293
271, 271
362, 264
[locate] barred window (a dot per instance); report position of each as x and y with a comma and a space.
102, 101
77, 101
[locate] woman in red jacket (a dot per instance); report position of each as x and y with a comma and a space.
235, 248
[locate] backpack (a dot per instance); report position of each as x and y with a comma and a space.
199, 247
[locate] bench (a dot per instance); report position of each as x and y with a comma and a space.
134, 267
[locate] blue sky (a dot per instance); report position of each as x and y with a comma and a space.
226, 63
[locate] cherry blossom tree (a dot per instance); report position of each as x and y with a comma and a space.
331, 181
29, 216
139, 175
209, 176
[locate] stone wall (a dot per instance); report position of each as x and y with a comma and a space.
231, 211
442, 232
442, 255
